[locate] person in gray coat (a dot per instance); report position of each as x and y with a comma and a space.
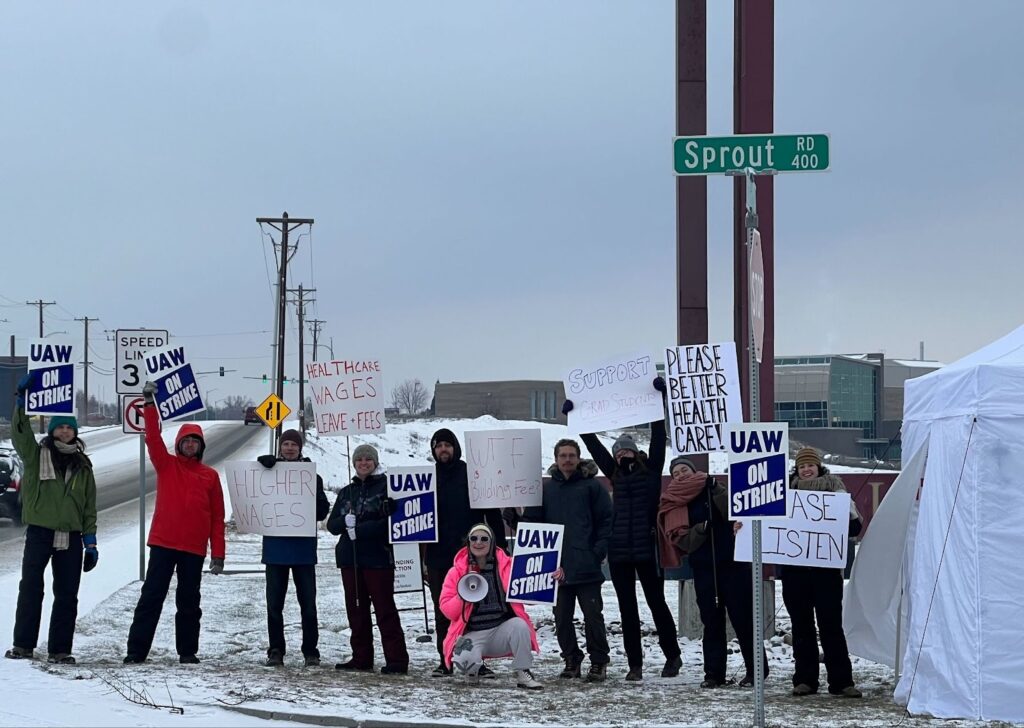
575, 499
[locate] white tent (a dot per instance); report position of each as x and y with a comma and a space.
961, 550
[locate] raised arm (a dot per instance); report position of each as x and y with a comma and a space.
158, 453
599, 453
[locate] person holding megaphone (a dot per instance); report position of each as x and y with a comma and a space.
483, 623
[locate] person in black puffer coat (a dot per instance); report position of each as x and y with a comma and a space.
636, 488
367, 563
454, 519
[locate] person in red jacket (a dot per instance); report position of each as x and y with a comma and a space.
189, 515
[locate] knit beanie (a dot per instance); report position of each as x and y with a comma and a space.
625, 442
292, 436
682, 460
366, 451
482, 527
59, 420
807, 456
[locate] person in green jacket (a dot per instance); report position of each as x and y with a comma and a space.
58, 499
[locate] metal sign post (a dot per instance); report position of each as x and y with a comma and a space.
142, 509
754, 395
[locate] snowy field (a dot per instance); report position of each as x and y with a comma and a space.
99, 690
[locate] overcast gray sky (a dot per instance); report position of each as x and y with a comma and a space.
492, 181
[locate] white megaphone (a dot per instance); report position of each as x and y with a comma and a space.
472, 587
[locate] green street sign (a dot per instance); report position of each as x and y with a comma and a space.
761, 152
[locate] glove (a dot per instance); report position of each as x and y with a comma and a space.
149, 393
702, 527
92, 557
267, 461
350, 520
390, 506
567, 407
23, 385
351, 534
216, 566
659, 384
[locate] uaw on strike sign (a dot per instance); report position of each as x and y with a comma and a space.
757, 470
52, 369
536, 556
177, 393
414, 491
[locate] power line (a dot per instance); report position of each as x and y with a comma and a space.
40, 303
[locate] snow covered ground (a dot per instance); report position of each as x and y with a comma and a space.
233, 643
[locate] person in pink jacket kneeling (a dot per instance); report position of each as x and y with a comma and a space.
491, 627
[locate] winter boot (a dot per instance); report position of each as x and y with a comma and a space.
803, 689
672, 665
352, 665
61, 658
486, 673
441, 670
635, 674
188, 659
597, 673
572, 667
275, 658
394, 670
18, 653
525, 679
311, 660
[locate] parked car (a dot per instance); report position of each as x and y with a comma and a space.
10, 484
251, 417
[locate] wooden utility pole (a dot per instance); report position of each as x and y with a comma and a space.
85, 363
40, 303
283, 225
315, 325
300, 302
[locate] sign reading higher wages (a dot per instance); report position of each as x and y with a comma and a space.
414, 490
52, 369
177, 393
279, 501
757, 470
537, 555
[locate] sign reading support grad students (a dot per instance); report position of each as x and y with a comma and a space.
815, 534
132, 345
177, 394
535, 558
758, 483
613, 393
348, 396
703, 384
277, 501
504, 468
414, 490
51, 365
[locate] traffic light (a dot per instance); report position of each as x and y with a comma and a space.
222, 371
264, 378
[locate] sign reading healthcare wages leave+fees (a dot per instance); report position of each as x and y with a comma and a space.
537, 555
51, 365
504, 468
816, 533
348, 396
277, 501
613, 393
758, 485
414, 490
177, 394
703, 384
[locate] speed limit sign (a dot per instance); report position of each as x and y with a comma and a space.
132, 345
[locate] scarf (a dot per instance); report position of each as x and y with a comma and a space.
61, 539
673, 517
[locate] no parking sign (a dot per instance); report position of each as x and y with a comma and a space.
758, 485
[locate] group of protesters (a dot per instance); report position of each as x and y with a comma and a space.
640, 528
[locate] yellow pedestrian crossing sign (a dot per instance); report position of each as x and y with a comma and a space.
272, 410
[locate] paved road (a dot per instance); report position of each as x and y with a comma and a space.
119, 483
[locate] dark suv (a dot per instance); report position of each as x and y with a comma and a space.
10, 484
251, 417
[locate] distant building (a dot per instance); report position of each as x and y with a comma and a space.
845, 404
522, 399
12, 369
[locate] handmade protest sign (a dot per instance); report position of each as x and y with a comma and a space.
815, 534
758, 486
703, 385
613, 393
414, 490
51, 366
536, 556
408, 572
348, 396
277, 501
504, 468
177, 394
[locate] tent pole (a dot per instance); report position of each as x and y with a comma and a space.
899, 625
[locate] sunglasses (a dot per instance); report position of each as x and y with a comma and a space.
480, 539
